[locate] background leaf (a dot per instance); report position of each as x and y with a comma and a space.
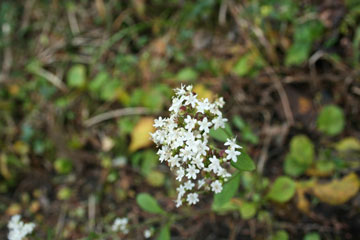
164, 233
302, 150
148, 203
331, 120
312, 236
337, 191
282, 190
76, 77
247, 210
280, 235
140, 137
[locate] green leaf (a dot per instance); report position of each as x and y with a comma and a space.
246, 131
248, 135
282, 190
280, 235
98, 82
239, 122
76, 77
63, 165
164, 233
304, 36
108, 90
247, 210
331, 120
312, 236
292, 167
229, 190
298, 53
302, 150
219, 134
148, 203
149, 161
242, 66
153, 99
187, 74
244, 163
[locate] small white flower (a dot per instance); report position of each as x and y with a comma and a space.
202, 147
192, 198
214, 165
190, 123
186, 153
189, 185
178, 202
191, 100
205, 125
18, 229
224, 174
159, 122
176, 104
220, 102
216, 186
180, 91
192, 171
232, 143
203, 106
180, 174
219, 122
147, 233
232, 154
181, 190
174, 161
198, 161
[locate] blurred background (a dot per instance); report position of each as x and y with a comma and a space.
81, 82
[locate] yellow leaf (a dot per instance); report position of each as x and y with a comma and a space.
348, 144
337, 191
21, 148
203, 92
140, 137
13, 209
302, 203
4, 169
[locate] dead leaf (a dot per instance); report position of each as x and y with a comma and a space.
13, 209
4, 170
203, 92
140, 137
302, 203
100, 7
314, 172
305, 105
337, 191
348, 144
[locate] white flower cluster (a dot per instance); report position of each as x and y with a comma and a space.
19, 229
121, 224
183, 143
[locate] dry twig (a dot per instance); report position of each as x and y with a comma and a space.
115, 114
